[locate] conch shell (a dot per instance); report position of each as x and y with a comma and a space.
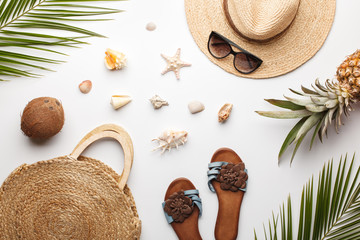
158, 102
224, 112
171, 139
118, 101
114, 60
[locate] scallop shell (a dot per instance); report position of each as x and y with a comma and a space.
224, 112
150, 26
85, 86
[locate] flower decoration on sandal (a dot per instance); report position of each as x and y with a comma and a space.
231, 176
180, 205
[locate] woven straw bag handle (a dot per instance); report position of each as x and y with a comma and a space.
115, 132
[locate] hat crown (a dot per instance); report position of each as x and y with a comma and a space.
261, 20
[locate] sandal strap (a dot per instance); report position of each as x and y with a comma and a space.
194, 196
213, 172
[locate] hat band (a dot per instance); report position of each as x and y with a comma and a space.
232, 25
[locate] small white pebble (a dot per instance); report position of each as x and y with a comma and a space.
150, 26
85, 86
195, 107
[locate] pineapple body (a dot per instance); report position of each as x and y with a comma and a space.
348, 75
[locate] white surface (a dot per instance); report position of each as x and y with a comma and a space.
256, 139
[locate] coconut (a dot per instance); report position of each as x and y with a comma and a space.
42, 118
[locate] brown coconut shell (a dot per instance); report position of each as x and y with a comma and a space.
42, 118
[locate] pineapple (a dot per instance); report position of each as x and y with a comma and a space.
320, 106
348, 75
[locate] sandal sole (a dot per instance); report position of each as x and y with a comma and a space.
189, 229
227, 221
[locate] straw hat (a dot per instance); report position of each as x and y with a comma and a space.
283, 33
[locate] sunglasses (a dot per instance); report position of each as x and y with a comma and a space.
220, 47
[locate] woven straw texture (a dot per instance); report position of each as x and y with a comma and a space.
280, 55
67, 198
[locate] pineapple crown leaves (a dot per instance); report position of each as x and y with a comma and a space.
317, 108
329, 212
21, 25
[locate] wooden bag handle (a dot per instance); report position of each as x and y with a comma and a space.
110, 131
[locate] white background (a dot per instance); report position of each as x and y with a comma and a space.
256, 139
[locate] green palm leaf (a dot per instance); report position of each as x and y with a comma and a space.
21, 27
331, 212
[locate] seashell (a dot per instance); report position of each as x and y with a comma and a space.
224, 112
158, 102
118, 101
114, 60
150, 26
195, 107
85, 86
171, 139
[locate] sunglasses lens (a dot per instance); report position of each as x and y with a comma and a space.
246, 63
218, 47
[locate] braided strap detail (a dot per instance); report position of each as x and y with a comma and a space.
213, 172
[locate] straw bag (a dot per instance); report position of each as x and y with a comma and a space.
71, 197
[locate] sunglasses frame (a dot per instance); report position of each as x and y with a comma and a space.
234, 53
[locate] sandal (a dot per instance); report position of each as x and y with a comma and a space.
228, 178
182, 208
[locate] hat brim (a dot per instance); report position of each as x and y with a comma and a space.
288, 51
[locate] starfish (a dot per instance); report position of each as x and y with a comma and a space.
174, 64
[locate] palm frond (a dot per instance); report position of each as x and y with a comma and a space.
21, 27
331, 212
